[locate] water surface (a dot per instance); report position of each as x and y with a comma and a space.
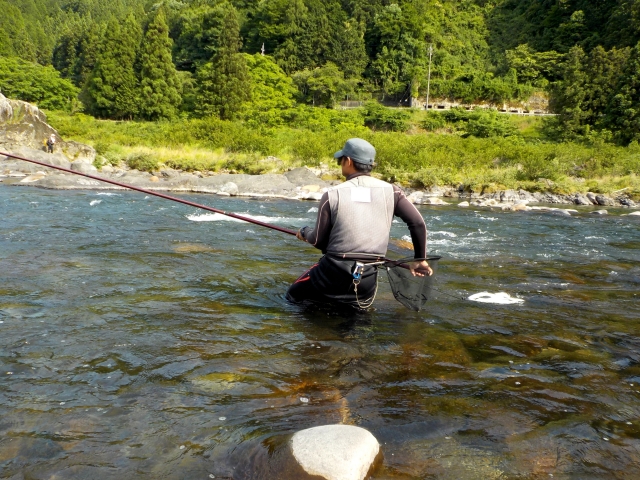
136, 341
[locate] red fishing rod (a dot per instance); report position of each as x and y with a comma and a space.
150, 192
167, 197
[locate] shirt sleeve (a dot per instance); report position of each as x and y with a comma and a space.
319, 235
410, 215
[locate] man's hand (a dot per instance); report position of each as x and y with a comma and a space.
299, 234
419, 268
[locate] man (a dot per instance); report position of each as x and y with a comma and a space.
51, 143
352, 230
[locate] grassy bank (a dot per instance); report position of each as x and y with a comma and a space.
419, 158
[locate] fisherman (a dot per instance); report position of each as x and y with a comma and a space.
51, 142
352, 231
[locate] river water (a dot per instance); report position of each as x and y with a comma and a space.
142, 338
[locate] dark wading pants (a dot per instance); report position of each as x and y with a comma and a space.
331, 281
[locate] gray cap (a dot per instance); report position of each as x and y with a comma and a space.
358, 150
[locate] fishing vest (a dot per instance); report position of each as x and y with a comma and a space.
361, 216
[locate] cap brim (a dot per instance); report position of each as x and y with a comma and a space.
338, 154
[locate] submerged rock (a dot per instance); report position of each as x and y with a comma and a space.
335, 452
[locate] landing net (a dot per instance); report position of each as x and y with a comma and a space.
412, 292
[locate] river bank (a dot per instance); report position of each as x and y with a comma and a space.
302, 183
228, 159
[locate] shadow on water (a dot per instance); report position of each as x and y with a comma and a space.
135, 342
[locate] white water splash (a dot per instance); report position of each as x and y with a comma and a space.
500, 298
218, 217
313, 210
108, 194
445, 234
95, 202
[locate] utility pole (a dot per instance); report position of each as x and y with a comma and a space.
262, 50
429, 75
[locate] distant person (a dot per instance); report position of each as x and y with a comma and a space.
51, 142
352, 230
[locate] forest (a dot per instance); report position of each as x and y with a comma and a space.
266, 63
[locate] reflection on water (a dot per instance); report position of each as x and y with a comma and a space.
135, 342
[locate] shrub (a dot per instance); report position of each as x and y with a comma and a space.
143, 162
485, 124
379, 117
433, 121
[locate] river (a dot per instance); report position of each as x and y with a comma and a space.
142, 338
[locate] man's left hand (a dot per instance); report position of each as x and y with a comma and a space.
420, 268
299, 235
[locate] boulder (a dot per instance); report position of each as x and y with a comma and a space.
230, 188
56, 159
519, 207
463, 204
33, 178
83, 167
304, 176
432, 201
312, 188
599, 212
626, 201
415, 197
79, 152
580, 199
335, 452
592, 198
6, 112
634, 214
605, 201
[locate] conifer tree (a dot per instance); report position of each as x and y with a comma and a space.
112, 89
568, 96
224, 81
624, 111
160, 86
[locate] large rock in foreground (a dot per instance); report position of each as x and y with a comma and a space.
335, 452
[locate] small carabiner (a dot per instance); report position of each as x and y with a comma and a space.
357, 270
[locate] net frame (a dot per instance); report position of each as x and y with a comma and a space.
412, 292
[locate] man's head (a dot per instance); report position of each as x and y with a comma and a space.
361, 154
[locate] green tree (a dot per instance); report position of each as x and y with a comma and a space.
160, 86
624, 112
224, 82
323, 86
568, 95
37, 84
112, 89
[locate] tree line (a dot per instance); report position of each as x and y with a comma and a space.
136, 59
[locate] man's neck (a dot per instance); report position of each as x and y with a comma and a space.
357, 174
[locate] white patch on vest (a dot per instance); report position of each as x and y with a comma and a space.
361, 194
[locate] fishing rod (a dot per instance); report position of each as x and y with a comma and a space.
169, 197
157, 194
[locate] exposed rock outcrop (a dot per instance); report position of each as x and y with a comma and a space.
25, 125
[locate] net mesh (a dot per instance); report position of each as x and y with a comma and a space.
412, 292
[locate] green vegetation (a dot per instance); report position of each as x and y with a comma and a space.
417, 159
37, 84
258, 79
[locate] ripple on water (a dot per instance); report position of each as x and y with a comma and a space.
159, 346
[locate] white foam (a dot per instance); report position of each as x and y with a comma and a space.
108, 194
500, 298
445, 234
95, 202
312, 210
218, 217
